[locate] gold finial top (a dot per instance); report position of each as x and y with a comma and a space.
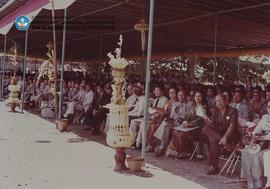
14, 48
115, 60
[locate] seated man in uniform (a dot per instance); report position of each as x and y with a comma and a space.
220, 129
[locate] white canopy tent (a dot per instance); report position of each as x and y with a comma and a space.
31, 10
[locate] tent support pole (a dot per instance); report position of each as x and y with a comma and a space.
62, 67
100, 57
215, 51
3, 68
148, 75
24, 70
238, 68
143, 65
54, 63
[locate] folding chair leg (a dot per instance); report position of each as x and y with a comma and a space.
227, 162
194, 151
232, 161
78, 117
237, 159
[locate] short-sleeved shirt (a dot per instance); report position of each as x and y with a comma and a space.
222, 122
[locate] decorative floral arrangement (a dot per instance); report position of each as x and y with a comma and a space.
46, 68
14, 88
116, 61
118, 65
14, 51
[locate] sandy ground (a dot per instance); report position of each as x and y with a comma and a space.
34, 155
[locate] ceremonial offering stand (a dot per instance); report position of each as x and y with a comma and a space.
119, 136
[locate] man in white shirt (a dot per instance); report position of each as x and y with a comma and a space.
130, 87
88, 98
85, 111
132, 98
139, 104
136, 115
160, 99
76, 103
154, 116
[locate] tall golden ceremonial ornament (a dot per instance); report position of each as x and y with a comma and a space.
47, 69
118, 135
14, 88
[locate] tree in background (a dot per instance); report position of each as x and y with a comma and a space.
227, 69
176, 69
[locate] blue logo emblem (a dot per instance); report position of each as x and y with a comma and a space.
22, 23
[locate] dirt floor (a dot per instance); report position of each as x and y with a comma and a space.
35, 155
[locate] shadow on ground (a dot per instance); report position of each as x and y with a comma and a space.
144, 174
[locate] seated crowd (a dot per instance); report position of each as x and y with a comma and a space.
181, 116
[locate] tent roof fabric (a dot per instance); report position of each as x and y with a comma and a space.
179, 26
12, 7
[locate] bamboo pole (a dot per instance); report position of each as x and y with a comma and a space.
24, 69
62, 66
54, 54
3, 68
215, 51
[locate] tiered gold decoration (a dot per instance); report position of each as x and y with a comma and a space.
13, 99
47, 69
119, 136
14, 89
